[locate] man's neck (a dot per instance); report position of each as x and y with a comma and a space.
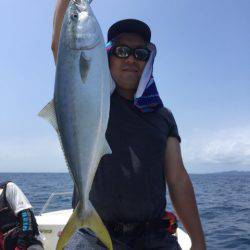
127, 94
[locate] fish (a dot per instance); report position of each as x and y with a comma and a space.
79, 111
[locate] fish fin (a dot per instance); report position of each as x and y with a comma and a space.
49, 114
84, 65
89, 220
106, 148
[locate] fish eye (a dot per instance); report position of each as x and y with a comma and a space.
74, 15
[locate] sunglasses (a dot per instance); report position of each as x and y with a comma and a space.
123, 51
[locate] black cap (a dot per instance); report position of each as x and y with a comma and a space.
130, 26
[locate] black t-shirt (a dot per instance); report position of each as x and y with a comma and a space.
129, 185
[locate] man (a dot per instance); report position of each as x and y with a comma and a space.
129, 188
18, 227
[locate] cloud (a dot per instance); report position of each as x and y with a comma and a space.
203, 151
230, 147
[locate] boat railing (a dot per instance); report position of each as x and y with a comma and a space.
44, 208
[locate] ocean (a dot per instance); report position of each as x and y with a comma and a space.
223, 200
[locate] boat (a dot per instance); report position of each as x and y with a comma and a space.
51, 224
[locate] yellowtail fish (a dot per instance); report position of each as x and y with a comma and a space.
79, 110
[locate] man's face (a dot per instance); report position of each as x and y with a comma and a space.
127, 72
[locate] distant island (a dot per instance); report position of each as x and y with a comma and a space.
234, 172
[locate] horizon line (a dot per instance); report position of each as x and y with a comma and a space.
65, 172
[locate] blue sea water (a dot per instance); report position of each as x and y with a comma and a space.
223, 200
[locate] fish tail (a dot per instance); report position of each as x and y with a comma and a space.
91, 221
68, 231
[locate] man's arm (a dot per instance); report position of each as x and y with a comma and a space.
22, 208
182, 194
61, 6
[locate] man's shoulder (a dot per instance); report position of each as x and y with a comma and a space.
4, 184
167, 116
165, 113
16, 198
12, 188
11, 185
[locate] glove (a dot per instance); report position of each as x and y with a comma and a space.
25, 239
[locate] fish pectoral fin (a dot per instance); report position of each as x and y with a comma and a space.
106, 148
49, 114
90, 221
84, 65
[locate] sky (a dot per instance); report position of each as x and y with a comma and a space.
202, 71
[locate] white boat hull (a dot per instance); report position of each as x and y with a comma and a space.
50, 225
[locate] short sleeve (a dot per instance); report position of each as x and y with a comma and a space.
16, 198
169, 118
173, 127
